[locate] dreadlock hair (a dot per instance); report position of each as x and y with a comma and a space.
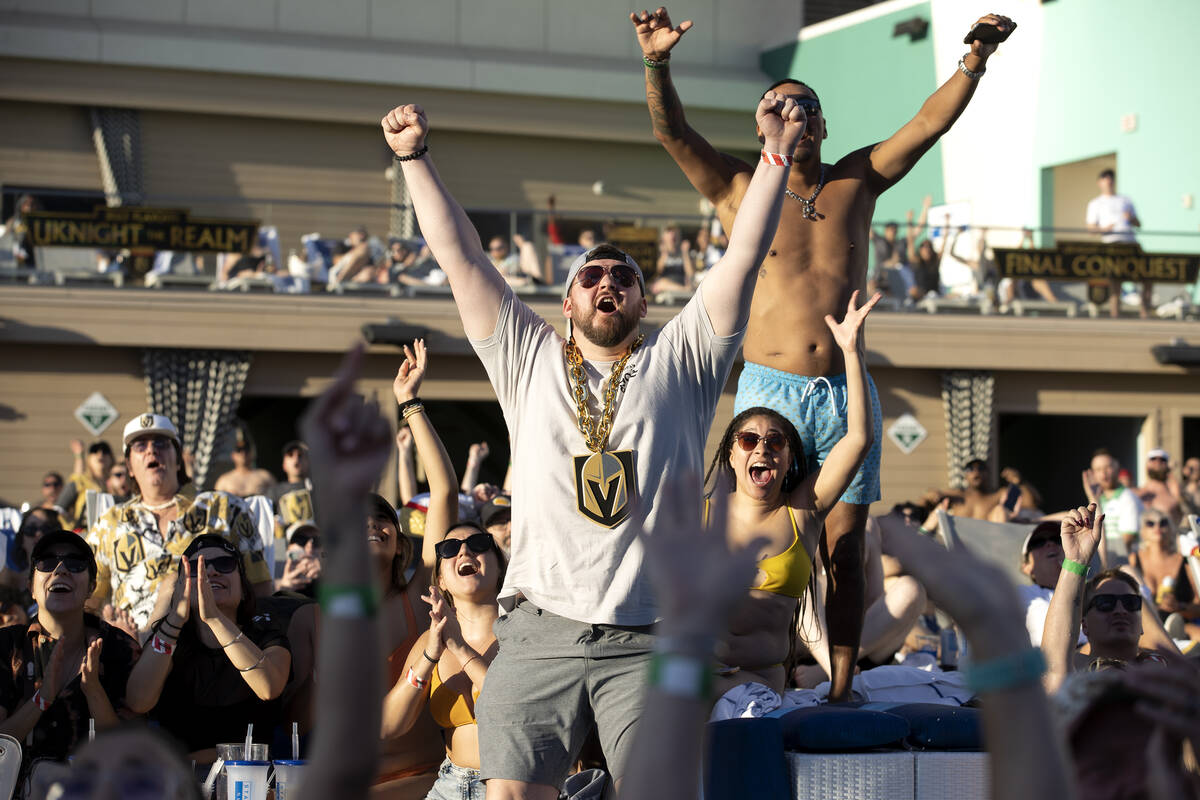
798, 470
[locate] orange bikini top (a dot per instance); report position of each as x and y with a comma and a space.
449, 708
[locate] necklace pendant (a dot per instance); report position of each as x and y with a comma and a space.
605, 486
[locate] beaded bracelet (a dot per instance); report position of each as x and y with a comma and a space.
1071, 565
680, 675
1007, 672
414, 156
349, 602
412, 411
652, 64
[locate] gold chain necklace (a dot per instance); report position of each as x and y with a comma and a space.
595, 432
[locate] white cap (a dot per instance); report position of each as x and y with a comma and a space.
1158, 452
147, 424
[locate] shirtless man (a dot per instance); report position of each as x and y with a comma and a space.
244, 479
978, 500
818, 258
1161, 490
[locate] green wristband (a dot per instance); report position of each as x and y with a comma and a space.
1008, 672
351, 602
1070, 565
652, 64
680, 675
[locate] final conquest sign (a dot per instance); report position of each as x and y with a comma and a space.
1085, 261
136, 227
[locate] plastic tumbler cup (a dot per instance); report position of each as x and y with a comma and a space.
288, 775
247, 780
235, 751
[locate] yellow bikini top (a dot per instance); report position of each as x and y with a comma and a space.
788, 572
449, 708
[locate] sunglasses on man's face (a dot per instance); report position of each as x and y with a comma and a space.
477, 543
749, 440
222, 564
810, 105
74, 564
51, 484
1105, 603
622, 275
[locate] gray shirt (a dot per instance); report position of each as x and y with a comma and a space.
566, 557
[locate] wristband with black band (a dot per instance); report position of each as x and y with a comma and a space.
407, 404
414, 155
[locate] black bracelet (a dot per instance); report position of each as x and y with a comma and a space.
414, 156
167, 623
407, 404
429, 658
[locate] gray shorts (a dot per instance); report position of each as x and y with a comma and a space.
552, 678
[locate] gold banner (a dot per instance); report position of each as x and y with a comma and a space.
134, 227
1088, 261
641, 243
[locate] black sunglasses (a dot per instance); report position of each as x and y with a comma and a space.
748, 441
1105, 603
1157, 523
222, 564
809, 105
74, 564
50, 484
476, 543
625, 277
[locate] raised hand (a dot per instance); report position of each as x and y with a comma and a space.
89, 673
695, 594
781, 121
655, 34
404, 440
77, 447
206, 606
119, 618
405, 128
1081, 530
846, 333
443, 623
349, 441
479, 451
179, 583
411, 372
1005, 24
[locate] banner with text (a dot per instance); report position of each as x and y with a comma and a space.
1089, 261
135, 227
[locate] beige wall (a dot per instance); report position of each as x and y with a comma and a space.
47, 145
59, 345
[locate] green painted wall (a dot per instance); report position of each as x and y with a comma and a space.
1102, 59
869, 84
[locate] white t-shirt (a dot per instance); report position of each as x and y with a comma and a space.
1037, 605
1122, 515
562, 560
1110, 209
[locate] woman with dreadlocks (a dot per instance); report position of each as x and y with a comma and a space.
764, 476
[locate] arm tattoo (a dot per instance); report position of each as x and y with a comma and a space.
666, 112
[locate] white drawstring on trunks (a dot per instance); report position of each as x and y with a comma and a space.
810, 388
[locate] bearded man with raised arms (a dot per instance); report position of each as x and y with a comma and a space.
816, 261
597, 423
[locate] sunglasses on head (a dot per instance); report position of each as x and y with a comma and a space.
74, 564
748, 440
622, 275
477, 543
222, 564
1105, 603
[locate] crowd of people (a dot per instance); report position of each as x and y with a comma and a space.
607, 601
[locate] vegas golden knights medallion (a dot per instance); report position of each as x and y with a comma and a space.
605, 486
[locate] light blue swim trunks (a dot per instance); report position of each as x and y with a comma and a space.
817, 407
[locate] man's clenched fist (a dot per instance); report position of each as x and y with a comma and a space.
404, 128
